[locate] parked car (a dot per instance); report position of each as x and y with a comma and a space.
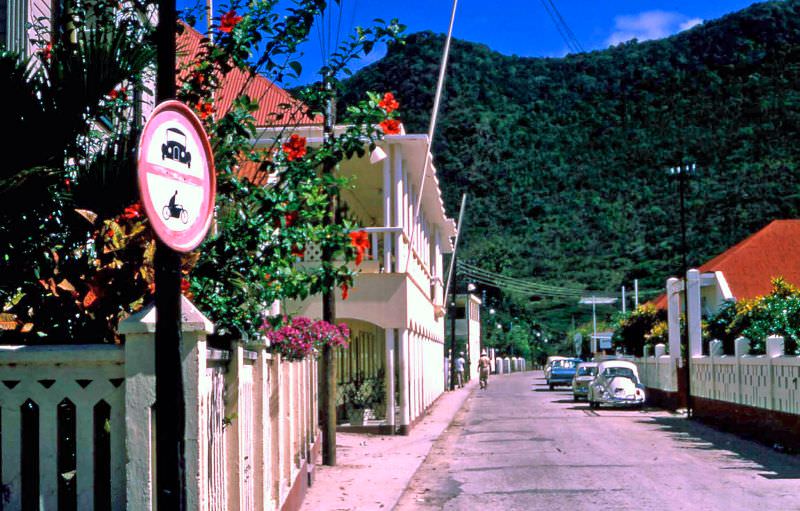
617, 383
562, 371
584, 374
549, 365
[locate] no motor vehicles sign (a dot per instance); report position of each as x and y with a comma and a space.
176, 176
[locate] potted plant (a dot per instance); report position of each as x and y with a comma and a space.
359, 395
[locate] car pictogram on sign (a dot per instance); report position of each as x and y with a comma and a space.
175, 147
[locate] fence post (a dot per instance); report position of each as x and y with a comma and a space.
741, 347
714, 351
775, 348
140, 394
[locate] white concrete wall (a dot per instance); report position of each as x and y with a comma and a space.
764, 381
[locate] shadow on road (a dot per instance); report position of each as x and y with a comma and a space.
770, 464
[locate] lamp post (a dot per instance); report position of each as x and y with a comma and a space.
682, 172
594, 300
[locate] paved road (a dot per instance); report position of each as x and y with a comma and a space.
520, 446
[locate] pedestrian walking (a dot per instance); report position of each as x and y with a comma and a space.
484, 366
460, 370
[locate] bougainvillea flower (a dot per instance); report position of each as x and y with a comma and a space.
185, 286
388, 103
133, 211
390, 126
345, 291
295, 148
298, 251
228, 21
359, 240
47, 51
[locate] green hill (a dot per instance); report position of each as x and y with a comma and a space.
565, 160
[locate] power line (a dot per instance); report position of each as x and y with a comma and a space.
566, 26
561, 25
522, 286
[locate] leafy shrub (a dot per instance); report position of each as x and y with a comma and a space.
645, 324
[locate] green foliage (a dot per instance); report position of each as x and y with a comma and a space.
636, 328
72, 261
256, 255
361, 393
777, 313
565, 159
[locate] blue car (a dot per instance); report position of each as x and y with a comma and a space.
562, 371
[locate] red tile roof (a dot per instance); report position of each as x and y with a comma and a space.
236, 82
750, 265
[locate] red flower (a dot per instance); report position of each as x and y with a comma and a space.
120, 93
295, 148
47, 51
67, 183
388, 103
204, 109
228, 21
360, 240
185, 286
298, 251
133, 211
345, 291
390, 126
291, 218
198, 77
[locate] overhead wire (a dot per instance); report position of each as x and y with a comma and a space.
566, 26
561, 25
524, 286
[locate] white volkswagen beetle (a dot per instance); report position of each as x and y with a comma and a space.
617, 383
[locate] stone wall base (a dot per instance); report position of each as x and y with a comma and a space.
766, 426
304, 479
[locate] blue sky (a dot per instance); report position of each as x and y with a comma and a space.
524, 27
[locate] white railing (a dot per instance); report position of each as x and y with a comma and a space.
658, 372
770, 381
77, 424
63, 426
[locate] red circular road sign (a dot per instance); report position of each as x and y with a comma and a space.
177, 181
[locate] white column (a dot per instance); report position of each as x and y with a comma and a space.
673, 317
693, 302
387, 208
399, 205
140, 390
391, 406
403, 370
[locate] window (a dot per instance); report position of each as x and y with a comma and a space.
13, 15
3, 21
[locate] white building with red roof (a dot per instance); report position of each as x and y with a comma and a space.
743, 271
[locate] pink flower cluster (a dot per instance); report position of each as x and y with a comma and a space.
300, 337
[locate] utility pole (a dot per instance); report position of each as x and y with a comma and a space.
636, 292
169, 405
327, 369
623, 299
682, 173
453, 328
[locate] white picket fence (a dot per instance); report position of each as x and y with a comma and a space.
77, 426
770, 381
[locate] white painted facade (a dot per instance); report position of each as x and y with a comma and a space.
400, 286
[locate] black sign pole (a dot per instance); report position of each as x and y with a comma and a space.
170, 406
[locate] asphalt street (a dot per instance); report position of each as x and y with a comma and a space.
519, 445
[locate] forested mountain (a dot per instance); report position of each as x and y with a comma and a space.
565, 160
